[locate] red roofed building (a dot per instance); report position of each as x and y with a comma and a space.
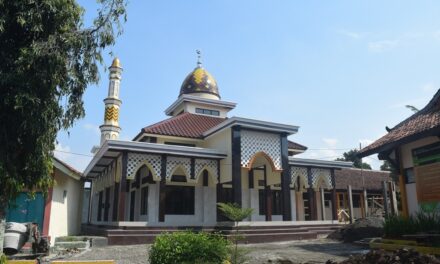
413, 147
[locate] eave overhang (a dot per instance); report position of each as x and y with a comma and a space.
384, 149
252, 124
319, 163
66, 170
111, 149
199, 100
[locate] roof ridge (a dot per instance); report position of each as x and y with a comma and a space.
166, 120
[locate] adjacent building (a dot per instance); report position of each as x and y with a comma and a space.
413, 147
57, 214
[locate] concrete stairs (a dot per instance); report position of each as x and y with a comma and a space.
250, 234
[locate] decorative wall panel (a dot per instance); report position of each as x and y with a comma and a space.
296, 172
136, 160
253, 142
211, 165
174, 162
324, 174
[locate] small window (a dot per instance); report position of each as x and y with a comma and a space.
409, 176
144, 200
207, 112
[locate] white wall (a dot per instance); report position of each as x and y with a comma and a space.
65, 214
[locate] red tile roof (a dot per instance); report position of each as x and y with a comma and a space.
372, 180
184, 125
423, 123
294, 145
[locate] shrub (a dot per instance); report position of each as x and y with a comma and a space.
424, 221
3, 258
189, 247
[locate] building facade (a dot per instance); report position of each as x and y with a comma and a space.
174, 172
413, 147
57, 213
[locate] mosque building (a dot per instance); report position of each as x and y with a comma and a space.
174, 172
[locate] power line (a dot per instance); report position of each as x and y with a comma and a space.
73, 153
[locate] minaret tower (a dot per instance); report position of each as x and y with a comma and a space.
110, 129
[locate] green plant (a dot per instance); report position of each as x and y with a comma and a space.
237, 214
3, 258
189, 247
426, 220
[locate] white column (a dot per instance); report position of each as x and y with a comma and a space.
322, 203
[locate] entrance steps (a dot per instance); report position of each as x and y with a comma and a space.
250, 234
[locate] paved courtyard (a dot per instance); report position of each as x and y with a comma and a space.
308, 251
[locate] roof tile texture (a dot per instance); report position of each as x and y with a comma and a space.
372, 179
184, 125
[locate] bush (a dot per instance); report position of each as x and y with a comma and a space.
3, 258
189, 247
423, 221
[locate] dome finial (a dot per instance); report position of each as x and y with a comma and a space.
199, 58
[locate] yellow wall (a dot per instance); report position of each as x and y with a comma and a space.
222, 142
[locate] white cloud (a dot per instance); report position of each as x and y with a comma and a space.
93, 128
330, 142
382, 45
328, 151
351, 34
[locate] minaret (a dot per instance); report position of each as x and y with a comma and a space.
110, 129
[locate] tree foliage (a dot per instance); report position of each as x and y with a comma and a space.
388, 166
48, 59
352, 155
237, 214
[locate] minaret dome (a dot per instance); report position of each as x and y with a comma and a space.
200, 82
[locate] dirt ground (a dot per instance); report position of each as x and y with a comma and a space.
306, 251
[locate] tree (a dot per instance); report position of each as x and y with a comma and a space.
237, 214
48, 58
352, 156
388, 166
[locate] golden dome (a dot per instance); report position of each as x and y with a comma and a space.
116, 63
199, 81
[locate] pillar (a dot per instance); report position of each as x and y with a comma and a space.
385, 198
267, 196
334, 197
122, 188
322, 204
286, 204
350, 203
236, 164
393, 198
311, 195
365, 197
162, 189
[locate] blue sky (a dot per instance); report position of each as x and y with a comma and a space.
341, 70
